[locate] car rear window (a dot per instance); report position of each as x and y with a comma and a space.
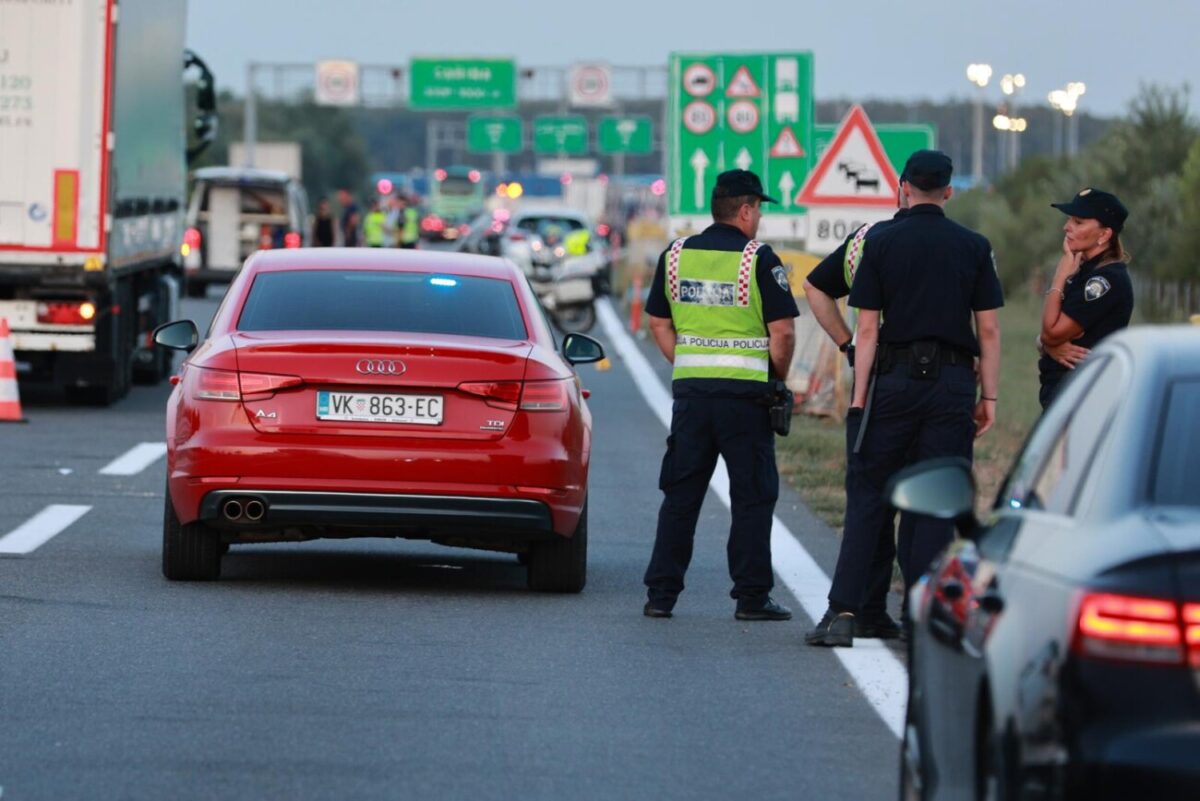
1178, 461
359, 300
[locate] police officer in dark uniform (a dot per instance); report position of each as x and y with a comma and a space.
1090, 295
920, 282
828, 282
721, 311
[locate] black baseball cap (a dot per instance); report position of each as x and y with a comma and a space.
1096, 204
739, 183
928, 170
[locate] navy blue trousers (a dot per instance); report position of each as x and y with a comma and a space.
701, 430
911, 420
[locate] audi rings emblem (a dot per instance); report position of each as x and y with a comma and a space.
380, 367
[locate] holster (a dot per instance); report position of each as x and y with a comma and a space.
782, 401
925, 359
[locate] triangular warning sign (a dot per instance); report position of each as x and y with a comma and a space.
742, 85
854, 170
787, 146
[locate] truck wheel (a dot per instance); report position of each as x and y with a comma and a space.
196, 289
191, 552
560, 565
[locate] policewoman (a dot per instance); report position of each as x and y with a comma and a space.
922, 282
1090, 295
721, 311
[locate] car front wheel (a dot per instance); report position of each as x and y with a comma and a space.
191, 552
560, 565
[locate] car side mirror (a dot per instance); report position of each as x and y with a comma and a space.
178, 335
581, 349
941, 488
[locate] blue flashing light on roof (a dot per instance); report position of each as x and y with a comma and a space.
439, 281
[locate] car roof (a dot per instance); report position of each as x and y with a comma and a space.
242, 175
383, 259
1174, 349
550, 211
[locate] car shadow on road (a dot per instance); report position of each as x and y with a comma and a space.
452, 573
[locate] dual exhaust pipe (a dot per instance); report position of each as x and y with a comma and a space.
243, 510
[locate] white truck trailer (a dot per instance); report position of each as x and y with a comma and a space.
93, 173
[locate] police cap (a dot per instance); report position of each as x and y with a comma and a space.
928, 170
740, 183
1096, 204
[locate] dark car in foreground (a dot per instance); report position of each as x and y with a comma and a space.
364, 393
1055, 651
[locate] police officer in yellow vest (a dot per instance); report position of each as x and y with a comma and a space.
577, 242
409, 222
722, 313
374, 226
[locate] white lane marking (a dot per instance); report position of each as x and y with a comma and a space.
875, 670
37, 530
135, 460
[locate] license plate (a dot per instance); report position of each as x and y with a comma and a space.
357, 407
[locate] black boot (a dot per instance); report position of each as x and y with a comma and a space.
836, 629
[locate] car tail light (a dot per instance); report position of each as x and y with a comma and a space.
291, 240
227, 385
544, 396
500, 394
191, 241
79, 312
1131, 628
266, 238
517, 236
1191, 629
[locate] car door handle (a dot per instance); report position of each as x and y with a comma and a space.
991, 602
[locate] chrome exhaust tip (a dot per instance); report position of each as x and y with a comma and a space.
232, 510
255, 510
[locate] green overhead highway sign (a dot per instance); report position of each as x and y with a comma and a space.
439, 84
494, 134
748, 110
899, 140
633, 134
566, 135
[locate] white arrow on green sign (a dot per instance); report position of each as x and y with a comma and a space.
560, 135
501, 134
633, 134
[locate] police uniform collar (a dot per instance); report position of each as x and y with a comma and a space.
927, 208
724, 226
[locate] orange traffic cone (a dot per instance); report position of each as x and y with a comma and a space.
10, 400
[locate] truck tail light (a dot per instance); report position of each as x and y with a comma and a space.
1134, 629
266, 238
66, 312
291, 240
544, 396
1191, 633
228, 385
500, 394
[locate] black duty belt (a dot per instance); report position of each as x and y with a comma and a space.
902, 354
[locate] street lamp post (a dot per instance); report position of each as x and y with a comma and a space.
1014, 127
978, 74
1067, 101
1011, 85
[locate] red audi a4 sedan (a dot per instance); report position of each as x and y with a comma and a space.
378, 393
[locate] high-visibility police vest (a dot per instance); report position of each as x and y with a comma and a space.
373, 228
411, 231
854, 254
576, 242
717, 312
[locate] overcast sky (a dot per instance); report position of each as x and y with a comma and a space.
863, 48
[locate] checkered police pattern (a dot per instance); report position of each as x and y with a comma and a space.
746, 272
673, 268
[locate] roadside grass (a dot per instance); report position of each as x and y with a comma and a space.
813, 457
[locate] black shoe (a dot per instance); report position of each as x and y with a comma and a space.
836, 629
876, 626
768, 611
653, 610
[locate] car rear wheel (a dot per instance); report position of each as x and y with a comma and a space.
196, 289
191, 552
560, 565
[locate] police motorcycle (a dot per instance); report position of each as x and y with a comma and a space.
563, 278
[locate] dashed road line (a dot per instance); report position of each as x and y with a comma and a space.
39, 529
135, 460
877, 673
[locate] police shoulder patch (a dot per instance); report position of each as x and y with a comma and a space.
1096, 288
780, 273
